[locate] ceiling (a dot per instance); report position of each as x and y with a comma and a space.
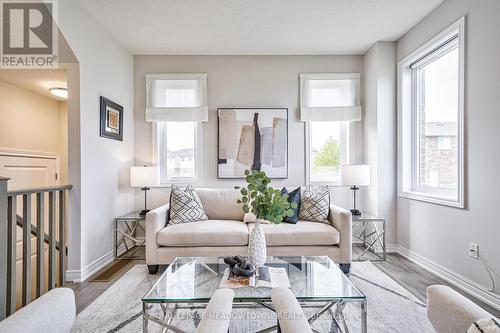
257, 26
36, 80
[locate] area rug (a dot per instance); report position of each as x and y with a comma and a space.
391, 308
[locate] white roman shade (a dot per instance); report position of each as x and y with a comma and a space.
176, 97
329, 97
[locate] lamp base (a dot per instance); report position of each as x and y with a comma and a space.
145, 210
355, 212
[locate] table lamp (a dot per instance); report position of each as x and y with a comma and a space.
355, 176
144, 177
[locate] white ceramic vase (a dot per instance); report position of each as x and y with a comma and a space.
257, 246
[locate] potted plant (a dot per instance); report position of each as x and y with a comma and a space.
266, 203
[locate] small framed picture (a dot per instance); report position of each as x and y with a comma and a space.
111, 120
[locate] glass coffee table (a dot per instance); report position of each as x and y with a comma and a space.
317, 281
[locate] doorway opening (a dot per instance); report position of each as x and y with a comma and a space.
33, 152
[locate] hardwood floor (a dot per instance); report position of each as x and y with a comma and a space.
416, 279
400, 269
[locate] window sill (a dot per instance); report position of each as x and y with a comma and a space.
433, 198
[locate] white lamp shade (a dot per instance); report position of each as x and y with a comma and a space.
144, 176
358, 175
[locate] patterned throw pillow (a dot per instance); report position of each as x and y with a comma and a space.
315, 204
293, 197
185, 206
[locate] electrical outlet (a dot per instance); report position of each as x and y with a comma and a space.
474, 250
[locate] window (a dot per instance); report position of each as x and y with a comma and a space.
432, 120
179, 157
328, 148
177, 105
329, 103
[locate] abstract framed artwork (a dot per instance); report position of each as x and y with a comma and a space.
252, 138
111, 120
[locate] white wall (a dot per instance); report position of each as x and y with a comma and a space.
105, 69
380, 133
439, 233
242, 81
32, 122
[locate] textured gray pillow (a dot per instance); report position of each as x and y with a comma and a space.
315, 204
185, 206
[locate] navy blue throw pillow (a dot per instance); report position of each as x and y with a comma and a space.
293, 196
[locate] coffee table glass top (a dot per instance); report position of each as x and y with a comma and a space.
195, 279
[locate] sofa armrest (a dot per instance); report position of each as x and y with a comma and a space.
217, 314
53, 312
156, 220
448, 311
291, 317
341, 219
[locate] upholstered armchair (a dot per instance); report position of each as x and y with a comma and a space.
450, 312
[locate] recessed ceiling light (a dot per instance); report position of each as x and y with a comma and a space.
59, 92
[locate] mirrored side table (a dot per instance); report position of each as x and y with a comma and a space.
371, 235
126, 227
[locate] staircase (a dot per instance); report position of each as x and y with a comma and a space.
47, 208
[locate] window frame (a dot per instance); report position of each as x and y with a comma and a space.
408, 120
348, 135
198, 153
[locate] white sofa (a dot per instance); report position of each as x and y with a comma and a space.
225, 233
53, 312
450, 312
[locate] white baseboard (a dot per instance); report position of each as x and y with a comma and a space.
459, 281
79, 276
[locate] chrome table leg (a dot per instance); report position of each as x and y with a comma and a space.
364, 317
144, 317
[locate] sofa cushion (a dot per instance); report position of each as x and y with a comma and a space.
302, 233
204, 233
220, 203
